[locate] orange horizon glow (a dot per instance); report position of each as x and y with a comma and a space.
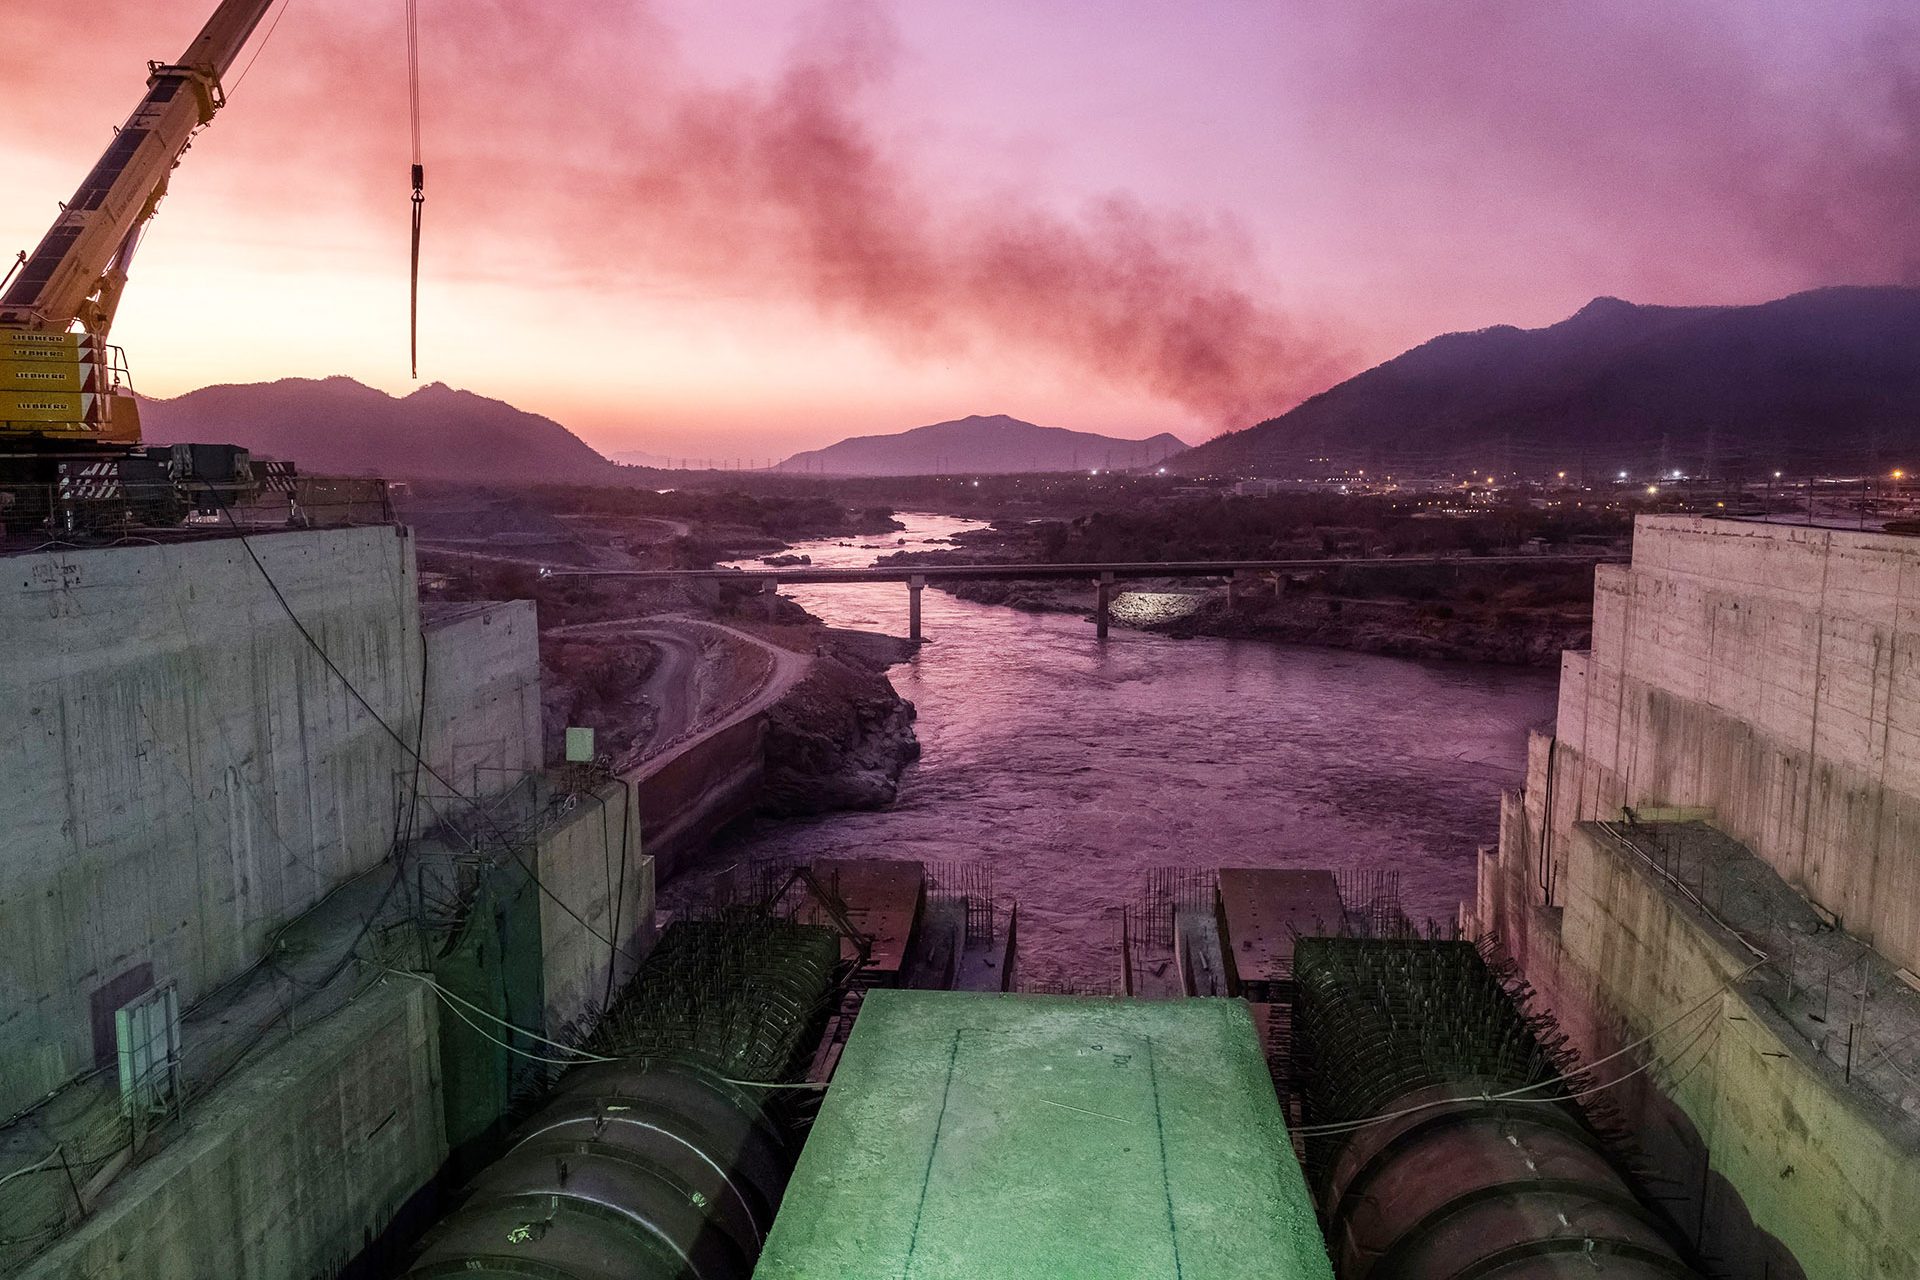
753, 229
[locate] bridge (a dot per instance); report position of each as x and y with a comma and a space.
1237, 573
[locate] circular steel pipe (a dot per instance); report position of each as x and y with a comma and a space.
630, 1171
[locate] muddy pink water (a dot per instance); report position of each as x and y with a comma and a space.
1074, 766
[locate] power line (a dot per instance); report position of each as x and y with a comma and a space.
259, 48
420, 760
456, 998
1517, 1095
536, 1057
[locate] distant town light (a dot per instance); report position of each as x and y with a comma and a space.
1162, 471
1623, 475
1675, 475
1899, 474
1776, 475
976, 484
1563, 475
1652, 489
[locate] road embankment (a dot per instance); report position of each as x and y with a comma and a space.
827, 732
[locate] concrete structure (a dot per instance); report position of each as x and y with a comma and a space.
1038, 1137
189, 772
211, 776
684, 797
483, 694
596, 911
1761, 678
184, 772
306, 1159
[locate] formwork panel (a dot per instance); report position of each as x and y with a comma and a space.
883, 897
1263, 910
1046, 1138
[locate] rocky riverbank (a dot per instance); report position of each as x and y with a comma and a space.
1466, 631
1528, 637
841, 737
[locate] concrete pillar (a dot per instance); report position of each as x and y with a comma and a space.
770, 591
1103, 608
1233, 590
914, 583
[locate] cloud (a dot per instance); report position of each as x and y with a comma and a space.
629, 167
1787, 132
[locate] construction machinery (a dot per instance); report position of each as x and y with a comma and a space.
70, 446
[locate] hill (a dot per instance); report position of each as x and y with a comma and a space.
995, 445
1824, 379
336, 426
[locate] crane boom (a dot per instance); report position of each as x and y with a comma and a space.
71, 459
76, 272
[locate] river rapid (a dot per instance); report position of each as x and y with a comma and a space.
1073, 766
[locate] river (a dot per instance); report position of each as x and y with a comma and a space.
1073, 766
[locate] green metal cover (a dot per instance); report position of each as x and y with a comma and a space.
1047, 1138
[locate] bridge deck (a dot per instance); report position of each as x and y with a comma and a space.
1132, 569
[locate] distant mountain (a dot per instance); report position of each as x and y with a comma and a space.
983, 445
336, 426
1828, 378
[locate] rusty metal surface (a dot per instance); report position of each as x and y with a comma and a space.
1446, 1135
883, 898
1263, 910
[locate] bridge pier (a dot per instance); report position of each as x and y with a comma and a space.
770, 598
914, 584
1103, 606
1234, 590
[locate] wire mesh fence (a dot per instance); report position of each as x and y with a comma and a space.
1849, 1004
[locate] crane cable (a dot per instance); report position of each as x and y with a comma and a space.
419, 183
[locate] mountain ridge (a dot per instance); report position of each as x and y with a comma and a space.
1820, 377
988, 444
337, 425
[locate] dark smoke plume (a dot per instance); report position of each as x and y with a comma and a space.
789, 188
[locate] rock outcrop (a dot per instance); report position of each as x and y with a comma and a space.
842, 736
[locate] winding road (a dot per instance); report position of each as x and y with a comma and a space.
680, 682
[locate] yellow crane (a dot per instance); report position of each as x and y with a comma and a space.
61, 383
69, 423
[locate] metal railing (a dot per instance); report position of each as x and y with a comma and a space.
95, 505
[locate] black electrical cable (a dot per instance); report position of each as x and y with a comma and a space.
620, 893
419, 759
419, 176
259, 49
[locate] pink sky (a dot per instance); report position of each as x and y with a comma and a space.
750, 228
